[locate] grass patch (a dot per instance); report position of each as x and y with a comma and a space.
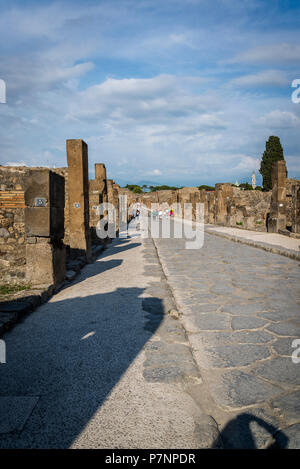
13, 288
239, 223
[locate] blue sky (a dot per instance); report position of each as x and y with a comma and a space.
177, 91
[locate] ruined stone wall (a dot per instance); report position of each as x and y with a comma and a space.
290, 203
227, 205
296, 207
12, 229
13, 184
248, 209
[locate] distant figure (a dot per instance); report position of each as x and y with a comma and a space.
137, 213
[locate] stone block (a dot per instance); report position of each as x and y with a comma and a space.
44, 221
44, 188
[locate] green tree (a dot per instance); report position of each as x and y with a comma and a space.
246, 186
161, 188
272, 153
207, 188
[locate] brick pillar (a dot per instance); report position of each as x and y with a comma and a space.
44, 227
277, 219
80, 240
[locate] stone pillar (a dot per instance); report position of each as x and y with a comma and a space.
44, 227
80, 240
195, 199
100, 171
116, 193
223, 196
203, 200
211, 207
277, 218
111, 200
110, 192
97, 196
100, 177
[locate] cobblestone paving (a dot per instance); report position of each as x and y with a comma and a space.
169, 358
240, 309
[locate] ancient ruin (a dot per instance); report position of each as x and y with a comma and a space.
55, 212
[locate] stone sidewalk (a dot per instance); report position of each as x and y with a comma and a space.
240, 307
104, 364
273, 242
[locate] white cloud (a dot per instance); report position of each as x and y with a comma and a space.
283, 53
142, 83
264, 78
280, 119
156, 172
16, 163
248, 163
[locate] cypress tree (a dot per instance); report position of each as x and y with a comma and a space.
273, 152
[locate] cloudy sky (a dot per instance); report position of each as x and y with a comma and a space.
164, 91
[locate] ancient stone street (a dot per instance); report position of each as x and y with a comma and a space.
102, 364
240, 308
158, 346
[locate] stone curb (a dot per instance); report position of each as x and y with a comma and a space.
257, 244
13, 311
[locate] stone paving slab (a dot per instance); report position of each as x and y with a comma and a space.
240, 307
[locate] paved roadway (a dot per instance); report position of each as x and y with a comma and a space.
157, 346
240, 307
103, 364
